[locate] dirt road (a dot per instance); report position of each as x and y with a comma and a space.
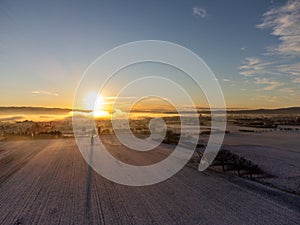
51, 188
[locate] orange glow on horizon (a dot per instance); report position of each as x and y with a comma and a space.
97, 104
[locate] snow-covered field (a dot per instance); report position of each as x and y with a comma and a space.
52, 188
276, 152
286, 140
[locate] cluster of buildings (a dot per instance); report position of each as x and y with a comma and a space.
34, 129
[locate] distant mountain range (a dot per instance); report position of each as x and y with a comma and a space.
45, 110
289, 110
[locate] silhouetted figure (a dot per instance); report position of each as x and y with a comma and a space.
92, 136
92, 139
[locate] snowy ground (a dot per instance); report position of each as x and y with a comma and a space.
51, 188
282, 165
276, 152
285, 140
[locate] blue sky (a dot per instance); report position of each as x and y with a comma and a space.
252, 46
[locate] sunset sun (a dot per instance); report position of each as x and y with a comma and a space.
96, 103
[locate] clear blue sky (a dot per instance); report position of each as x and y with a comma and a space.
46, 45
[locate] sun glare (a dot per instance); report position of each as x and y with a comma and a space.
96, 103
100, 113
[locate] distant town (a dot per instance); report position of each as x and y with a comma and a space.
63, 128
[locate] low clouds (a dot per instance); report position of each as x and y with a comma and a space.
253, 61
44, 93
200, 12
288, 90
284, 22
254, 66
12, 118
291, 69
270, 84
258, 67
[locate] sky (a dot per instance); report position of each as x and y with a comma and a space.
252, 46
